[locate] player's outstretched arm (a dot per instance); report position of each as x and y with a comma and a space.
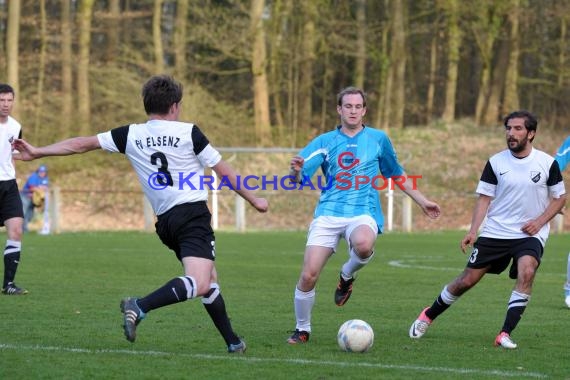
224, 170
75, 145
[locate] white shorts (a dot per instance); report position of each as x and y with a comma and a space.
326, 231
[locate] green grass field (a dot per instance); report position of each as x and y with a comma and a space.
69, 326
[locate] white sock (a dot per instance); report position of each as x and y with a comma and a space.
353, 264
304, 302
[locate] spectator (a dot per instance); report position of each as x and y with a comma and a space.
33, 193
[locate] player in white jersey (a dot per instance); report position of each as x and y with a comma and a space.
11, 210
169, 158
352, 157
563, 158
520, 191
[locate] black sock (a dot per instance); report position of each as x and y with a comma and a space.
178, 289
11, 261
516, 308
437, 308
216, 308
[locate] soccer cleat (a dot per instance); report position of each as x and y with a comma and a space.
237, 348
299, 337
12, 290
567, 298
504, 340
132, 315
343, 291
420, 325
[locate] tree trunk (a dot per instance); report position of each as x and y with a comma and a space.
385, 82
361, 32
492, 114
258, 68
83, 95
157, 37
41, 70
180, 40
486, 25
562, 46
430, 98
454, 42
307, 61
281, 15
112, 48
66, 70
511, 99
12, 48
398, 54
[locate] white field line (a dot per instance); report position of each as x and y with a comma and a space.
250, 359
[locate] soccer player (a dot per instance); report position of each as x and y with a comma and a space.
351, 157
520, 191
169, 158
11, 211
563, 157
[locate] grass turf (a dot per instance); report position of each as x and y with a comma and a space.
69, 326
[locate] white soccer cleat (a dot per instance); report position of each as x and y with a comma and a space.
504, 340
420, 325
567, 299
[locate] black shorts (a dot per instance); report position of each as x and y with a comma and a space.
187, 231
498, 253
10, 201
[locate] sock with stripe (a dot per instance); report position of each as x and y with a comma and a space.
178, 289
11, 261
216, 307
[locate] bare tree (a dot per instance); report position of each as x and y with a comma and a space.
13, 47
180, 40
41, 68
157, 36
259, 71
451, 8
360, 63
83, 97
66, 69
511, 97
395, 88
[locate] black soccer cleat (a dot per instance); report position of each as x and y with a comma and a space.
132, 315
12, 290
299, 337
237, 348
343, 291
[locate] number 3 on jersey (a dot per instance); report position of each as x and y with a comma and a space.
166, 177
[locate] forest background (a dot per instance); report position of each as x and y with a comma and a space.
264, 73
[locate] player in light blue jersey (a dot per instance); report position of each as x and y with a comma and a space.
355, 161
563, 158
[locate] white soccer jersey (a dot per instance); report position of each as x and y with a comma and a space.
522, 189
169, 158
8, 132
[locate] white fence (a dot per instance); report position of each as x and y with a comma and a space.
119, 207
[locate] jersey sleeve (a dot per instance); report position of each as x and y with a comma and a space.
115, 140
205, 152
488, 181
314, 155
555, 182
388, 161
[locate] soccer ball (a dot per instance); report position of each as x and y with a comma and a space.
355, 335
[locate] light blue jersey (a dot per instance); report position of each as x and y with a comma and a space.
354, 168
563, 154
